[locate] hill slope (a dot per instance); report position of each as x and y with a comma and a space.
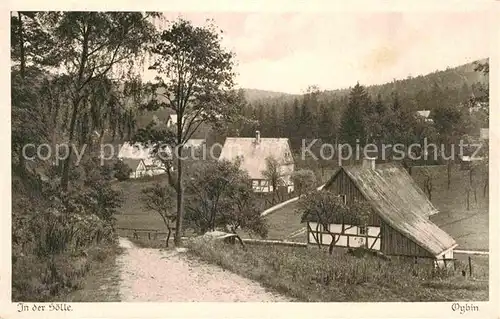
255, 95
461, 78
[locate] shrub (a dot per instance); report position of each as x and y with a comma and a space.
303, 180
122, 171
52, 235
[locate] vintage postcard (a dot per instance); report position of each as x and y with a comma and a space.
251, 159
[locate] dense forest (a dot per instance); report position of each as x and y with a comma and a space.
318, 114
363, 112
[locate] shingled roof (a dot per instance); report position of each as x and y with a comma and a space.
401, 204
253, 154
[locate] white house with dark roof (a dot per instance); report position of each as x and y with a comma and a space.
425, 115
137, 166
253, 152
137, 154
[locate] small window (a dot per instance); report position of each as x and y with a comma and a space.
362, 230
344, 198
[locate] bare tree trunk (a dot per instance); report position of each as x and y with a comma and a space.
67, 162
429, 189
332, 244
317, 234
468, 203
168, 237
22, 69
21, 45
180, 197
76, 103
448, 170
314, 236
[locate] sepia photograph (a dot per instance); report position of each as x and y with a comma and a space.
245, 156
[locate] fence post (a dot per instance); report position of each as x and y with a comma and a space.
470, 267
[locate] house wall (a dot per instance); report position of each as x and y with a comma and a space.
342, 185
264, 186
447, 255
391, 242
139, 172
287, 171
350, 238
143, 170
261, 186
394, 243
154, 171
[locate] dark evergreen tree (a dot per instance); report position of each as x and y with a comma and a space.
352, 124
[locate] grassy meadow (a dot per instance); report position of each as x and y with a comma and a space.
132, 213
468, 227
307, 274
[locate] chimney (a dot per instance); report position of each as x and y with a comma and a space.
369, 163
257, 137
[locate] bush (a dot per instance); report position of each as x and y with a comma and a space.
122, 171
304, 180
53, 235
47, 278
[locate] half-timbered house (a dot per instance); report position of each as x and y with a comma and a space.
253, 152
399, 222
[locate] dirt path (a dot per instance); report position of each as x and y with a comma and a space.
154, 275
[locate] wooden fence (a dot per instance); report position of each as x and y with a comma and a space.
151, 233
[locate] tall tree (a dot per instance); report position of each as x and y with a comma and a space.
352, 124
195, 80
325, 123
273, 175
303, 180
325, 208
159, 199
221, 196
483, 167
449, 125
91, 46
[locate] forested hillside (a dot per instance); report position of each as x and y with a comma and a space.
318, 114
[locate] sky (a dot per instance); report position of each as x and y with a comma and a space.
287, 52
